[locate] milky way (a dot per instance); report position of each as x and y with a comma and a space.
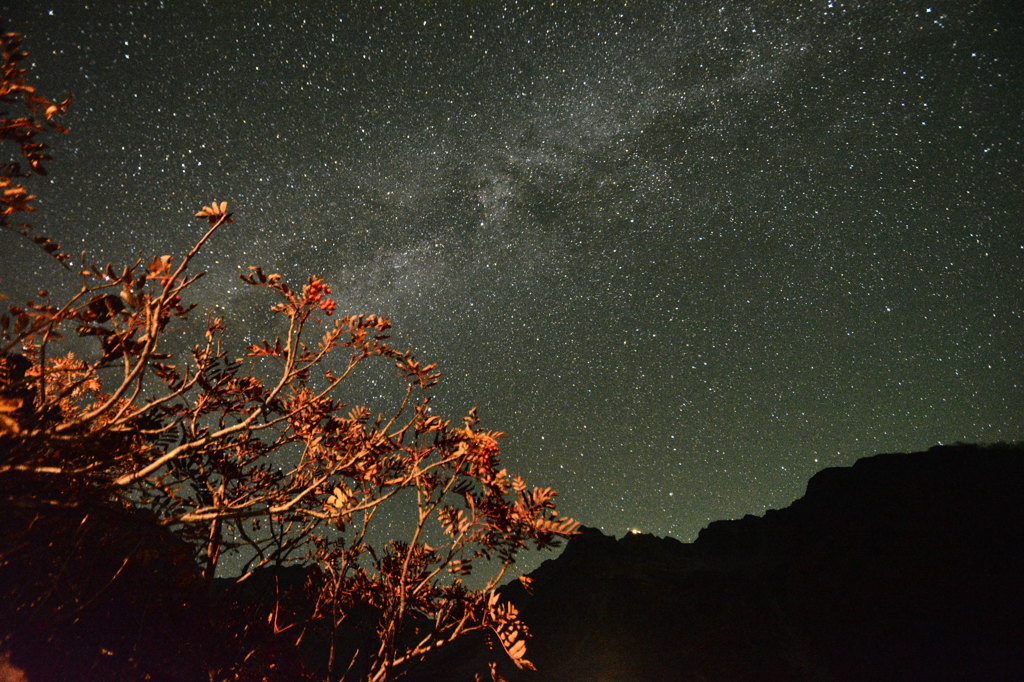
685, 253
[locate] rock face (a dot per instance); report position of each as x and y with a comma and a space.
901, 567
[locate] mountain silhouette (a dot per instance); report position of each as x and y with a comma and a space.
900, 567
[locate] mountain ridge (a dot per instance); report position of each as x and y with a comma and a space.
903, 566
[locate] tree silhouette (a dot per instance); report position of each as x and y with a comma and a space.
249, 457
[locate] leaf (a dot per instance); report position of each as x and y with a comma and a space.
102, 308
463, 487
266, 349
517, 650
540, 497
340, 497
9, 425
220, 369
563, 526
215, 212
8, 405
460, 567
171, 438
160, 266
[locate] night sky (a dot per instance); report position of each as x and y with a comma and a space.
685, 254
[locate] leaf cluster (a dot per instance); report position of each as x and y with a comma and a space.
24, 114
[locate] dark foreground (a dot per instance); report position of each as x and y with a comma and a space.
902, 567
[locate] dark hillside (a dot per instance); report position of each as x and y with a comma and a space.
901, 567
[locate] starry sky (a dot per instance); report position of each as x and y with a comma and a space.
685, 254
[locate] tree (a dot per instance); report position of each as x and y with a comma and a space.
254, 457
21, 130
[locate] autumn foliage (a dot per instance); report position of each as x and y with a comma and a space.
34, 114
246, 460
